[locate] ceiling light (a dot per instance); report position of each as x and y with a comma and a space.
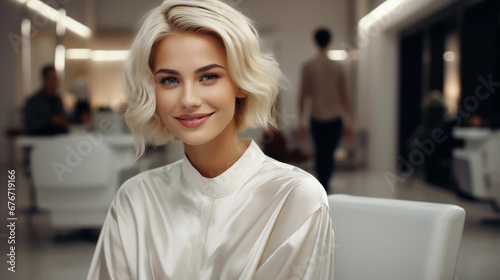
59, 58
109, 55
78, 53
97, 55
449, 56
54, 15
381, 13
337, 55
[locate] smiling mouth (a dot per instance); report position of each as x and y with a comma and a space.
193, 120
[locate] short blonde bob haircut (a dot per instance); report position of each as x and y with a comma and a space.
252, 70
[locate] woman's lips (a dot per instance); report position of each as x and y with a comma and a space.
193, 120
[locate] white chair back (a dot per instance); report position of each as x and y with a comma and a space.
382, 239
109, 122
71, 162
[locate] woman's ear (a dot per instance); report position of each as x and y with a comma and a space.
241, 93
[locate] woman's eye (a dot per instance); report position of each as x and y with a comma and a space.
209, 77
169, 81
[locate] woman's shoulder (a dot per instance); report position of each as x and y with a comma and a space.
150, 180
301, 186
282, 169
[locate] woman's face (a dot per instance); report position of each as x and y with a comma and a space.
195, 96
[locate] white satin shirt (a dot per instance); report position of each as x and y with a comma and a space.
260, 219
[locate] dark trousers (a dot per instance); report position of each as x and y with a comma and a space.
326, 136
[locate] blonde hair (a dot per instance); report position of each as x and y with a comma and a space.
254, 71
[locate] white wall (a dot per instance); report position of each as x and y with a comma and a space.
121, 14
10, 57
378, 80
292, 23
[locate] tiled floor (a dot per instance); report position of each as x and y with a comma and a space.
40, 258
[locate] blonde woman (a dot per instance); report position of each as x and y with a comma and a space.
225, 211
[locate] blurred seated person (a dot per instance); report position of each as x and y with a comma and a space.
80, 88
434, 110
274, 143
82, 113
438, 162
492, 122
44, 113
275, 146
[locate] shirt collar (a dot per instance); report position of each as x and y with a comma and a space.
231, 180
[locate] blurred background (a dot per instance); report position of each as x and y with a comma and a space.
424, 79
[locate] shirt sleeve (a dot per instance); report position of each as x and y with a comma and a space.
109, 261
304, 251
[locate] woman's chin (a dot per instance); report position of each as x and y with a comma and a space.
194, 139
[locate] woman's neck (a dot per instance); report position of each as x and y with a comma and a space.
213, 158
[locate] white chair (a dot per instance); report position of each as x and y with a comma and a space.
75, 180
389, 239
109, 122
477, 165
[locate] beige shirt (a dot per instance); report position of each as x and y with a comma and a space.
324, 83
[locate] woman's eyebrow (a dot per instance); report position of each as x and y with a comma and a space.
167, 71
208, 67
197, 71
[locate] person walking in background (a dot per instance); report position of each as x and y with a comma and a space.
325, 89
44, 113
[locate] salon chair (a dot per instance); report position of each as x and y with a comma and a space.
76, 179
380, 239
476, 166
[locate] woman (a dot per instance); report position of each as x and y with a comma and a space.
225, 211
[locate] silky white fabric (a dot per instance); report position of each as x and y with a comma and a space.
260, 219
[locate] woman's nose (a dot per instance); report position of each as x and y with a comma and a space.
190, 97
